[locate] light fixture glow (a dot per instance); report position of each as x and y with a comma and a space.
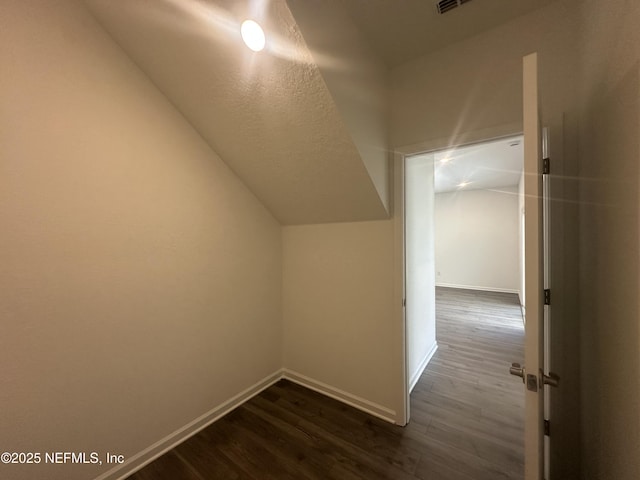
253, 35
463, 184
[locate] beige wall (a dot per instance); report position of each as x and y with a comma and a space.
610, 242
476, 84
140, 281
476, 239
338, 328
339, 334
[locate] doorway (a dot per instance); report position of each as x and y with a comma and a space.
463, 229
478, 276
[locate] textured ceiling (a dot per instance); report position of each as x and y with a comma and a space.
275, 117
401, 30
494, 164
268, 115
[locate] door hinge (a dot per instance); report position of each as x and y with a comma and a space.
546, 166
404, 302
547, 296
547, 428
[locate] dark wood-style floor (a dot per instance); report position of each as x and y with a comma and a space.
466, 417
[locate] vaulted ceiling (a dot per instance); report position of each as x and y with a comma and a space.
268, 115
302, 123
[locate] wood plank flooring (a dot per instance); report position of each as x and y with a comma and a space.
466, 417
466, 398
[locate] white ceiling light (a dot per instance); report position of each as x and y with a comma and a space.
463, 184
253, 35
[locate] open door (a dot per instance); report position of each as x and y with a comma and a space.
534, 375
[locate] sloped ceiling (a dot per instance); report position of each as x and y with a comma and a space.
356, 78
303, 123
268, 115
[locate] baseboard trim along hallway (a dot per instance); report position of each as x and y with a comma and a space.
477, 287
423, 364
141, 459
345, 397
151, 453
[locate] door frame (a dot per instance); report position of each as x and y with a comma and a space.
459, 139
534, 449
534, 273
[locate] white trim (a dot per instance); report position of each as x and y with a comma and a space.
423, 364
401, 390
162, 446
464, 138
345, 397
151, 453
476, 287
399, 154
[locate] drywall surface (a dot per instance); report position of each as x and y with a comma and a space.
338, 291
269, 114
521, 256
476, 239
609, 250
476, 84
420, 263
403, 31
140, 281
356, 78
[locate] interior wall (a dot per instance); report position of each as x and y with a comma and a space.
476, 84
609, 250
141, 281
476, 239
338, 293
471, 91
420, 264
521, 271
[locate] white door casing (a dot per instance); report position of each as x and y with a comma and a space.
534, 276
546, 232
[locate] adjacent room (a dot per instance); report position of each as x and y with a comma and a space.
464, 221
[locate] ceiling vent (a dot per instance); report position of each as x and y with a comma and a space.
446, 5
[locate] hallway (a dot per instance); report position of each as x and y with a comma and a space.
465, 399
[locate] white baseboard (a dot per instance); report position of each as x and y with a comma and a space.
476, 287
342, 396
423, 364
149, 454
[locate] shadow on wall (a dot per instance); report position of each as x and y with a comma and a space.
609, 282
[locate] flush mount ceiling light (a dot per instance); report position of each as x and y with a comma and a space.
463, 184
253, 35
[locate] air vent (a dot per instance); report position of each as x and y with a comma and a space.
446, 5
